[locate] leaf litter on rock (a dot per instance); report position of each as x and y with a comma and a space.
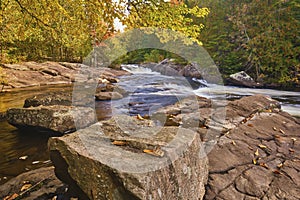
256, 152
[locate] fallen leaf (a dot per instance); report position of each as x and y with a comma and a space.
154, 152
119, 142
54, 198
23, 157
12, 197
269, 110
139, 117
47, 161
277, 171
281, 131
250, 125
262, 146
274, 128
254, 161
256, 152
25, 187
227, 133
280, 165
147, 150
291, 150
264, 165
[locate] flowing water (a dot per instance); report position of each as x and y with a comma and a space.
148, 91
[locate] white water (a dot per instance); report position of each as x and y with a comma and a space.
290, 101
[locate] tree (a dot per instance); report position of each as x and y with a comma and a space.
68, 29
59, 30
260, 37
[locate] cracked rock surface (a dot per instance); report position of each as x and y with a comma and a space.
258, 159
56, 118
127, 158
253, 147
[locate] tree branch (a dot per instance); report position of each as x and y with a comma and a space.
31, 14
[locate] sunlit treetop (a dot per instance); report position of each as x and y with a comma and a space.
72, 27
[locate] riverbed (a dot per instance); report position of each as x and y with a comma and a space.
148, 91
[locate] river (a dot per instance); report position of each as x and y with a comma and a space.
148, 91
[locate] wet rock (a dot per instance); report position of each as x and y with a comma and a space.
191, 70
201, 112
242, 79
108, 87
102, 96
57, 98
2, 116
107, 78
60, 98
172, 115
56, 118
167, 67
128, 158
49, 187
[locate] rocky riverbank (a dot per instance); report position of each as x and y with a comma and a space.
31, 74
193, 70
23, 76
252, 151
195, 149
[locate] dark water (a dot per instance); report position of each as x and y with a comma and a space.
16, 143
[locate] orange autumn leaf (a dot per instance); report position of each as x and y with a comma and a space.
119, 142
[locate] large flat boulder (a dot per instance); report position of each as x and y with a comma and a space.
128, 158
53, 98
258, 159
29, 74
253, 147
40, 184
55, 118
210, 119
60, 98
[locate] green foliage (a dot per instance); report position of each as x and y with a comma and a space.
176, 16
57, 30
68, 29
260, 37
149, 55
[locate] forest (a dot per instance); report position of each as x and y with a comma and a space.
259, 37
